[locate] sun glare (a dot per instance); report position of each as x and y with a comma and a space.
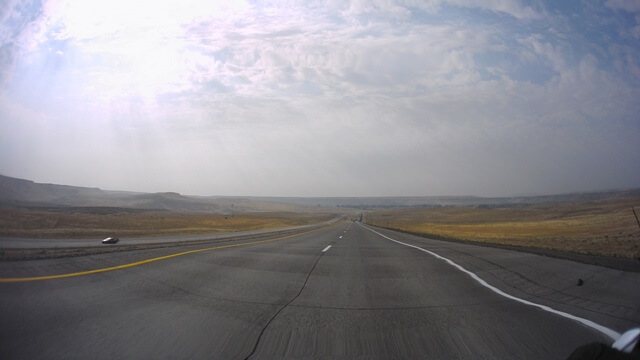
142, 42
89, 19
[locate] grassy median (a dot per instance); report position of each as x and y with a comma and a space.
103, 222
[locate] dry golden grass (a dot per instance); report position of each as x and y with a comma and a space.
102, 222
601, 228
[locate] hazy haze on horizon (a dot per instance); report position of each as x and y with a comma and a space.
322, 98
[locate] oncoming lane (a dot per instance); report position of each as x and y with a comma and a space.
193, 306
143, 262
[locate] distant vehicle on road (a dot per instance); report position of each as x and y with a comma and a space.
110, 240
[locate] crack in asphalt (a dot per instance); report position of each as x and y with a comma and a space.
264, 328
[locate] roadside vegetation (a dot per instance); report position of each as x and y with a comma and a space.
606, 228
102, 222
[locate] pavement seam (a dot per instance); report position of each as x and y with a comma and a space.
208, 297
399, 307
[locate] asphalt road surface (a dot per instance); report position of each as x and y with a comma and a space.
339, 292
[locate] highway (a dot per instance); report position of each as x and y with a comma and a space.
343, 291
7, 242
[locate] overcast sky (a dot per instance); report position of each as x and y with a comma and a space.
322, 98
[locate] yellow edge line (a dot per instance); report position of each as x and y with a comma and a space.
125, 266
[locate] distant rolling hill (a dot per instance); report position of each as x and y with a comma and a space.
19, 192
26, 193
435, 201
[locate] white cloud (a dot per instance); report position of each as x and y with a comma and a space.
322, 98
626, 5
514, 8
630, 6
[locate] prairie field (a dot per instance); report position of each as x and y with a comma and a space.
102, 222
606, 228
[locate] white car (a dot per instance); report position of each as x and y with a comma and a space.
110, 240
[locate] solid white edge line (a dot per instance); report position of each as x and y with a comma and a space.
603, 329
327, 248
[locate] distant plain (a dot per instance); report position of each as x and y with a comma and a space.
606, 227
597, 223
